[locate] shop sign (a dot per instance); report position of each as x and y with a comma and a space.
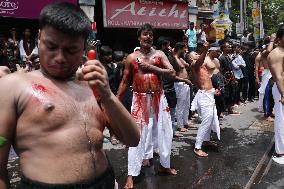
134, 13
24, 8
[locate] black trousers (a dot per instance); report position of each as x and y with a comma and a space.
105, 181
252, 88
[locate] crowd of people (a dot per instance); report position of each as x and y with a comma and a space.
60, 99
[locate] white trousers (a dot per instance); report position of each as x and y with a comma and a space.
266, 75
278, 121
205, 102
156, 132
183, 103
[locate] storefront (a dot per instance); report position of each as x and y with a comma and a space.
118, 20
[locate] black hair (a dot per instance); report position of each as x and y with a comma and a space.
179, 46
105, 51
191, 23
65, 17
145, 27
118, 56
162, 41
280, 32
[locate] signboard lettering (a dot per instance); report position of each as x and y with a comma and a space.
133, 14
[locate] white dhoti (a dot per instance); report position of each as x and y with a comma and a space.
266, 75
204, 102
151, 113
278, 121
183, 103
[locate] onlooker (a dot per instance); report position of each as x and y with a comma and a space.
191, 37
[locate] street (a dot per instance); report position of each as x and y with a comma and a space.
244, 140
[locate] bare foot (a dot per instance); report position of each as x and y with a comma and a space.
182, 130
113, 140
177, 135
146, 163
200, 153
168, 171
269, 119
129, 183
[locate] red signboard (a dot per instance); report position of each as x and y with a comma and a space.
134, 13
25, 8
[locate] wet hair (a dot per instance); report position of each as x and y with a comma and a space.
145, 27
118, 56
105, 51
162, 41
179, 46
67, 18
280, 32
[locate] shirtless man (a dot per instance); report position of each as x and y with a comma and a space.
53, 120
182, 88
204, 101
213, 66
4, 70
261, 60
276, 65
149, 106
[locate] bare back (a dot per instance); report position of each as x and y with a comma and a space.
58, 129
210, 65
182, 73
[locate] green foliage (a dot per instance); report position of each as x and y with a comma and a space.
3, 141
272, 14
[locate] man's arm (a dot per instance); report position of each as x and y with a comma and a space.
119, 118
257, 65
202, 57
125, 78
7, 126
275, 63
270, 46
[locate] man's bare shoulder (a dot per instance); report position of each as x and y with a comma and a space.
276, 54
132, 57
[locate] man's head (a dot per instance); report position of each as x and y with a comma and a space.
64, 29
226, 48
193, 57
145, 36
179, 49
280, 35
4, 70
105, 54
191, 25
27, 33
163, 44
214, 50
118, 56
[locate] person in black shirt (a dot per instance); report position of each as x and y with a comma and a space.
105, 58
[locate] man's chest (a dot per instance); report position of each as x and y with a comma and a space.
49, 104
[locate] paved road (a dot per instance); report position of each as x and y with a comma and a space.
244, 139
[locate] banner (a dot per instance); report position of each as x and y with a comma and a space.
134, 13
25, 8
222, 20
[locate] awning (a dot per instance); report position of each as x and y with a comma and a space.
25, 8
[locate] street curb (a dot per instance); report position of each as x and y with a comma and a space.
262, 166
